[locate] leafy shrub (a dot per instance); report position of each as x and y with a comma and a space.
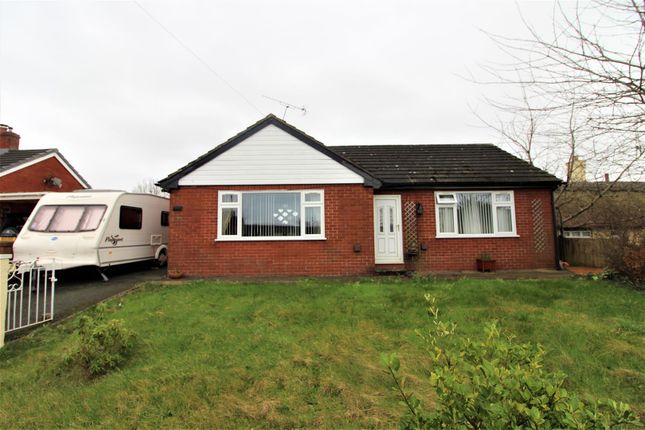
606, 275
496, 384
103, 346
634, 265
627, 257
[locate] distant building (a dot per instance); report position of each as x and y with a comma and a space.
577, 169
597, 236
622, 208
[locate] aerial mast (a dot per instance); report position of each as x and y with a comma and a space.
287, 106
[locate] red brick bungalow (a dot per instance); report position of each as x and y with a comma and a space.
26, 175
274, 201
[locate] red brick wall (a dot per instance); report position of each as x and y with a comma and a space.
510, 253
348, 221
30, 179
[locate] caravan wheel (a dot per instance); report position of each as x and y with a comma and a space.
162, 260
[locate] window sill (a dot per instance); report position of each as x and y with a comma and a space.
268, 239
476, 236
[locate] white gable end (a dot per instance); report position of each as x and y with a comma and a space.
271, 157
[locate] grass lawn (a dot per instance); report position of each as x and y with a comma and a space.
306, 354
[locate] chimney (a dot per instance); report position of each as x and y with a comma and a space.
8, 139
578, 170
606, 177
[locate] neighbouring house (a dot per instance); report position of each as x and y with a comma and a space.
597, 217
621, 206
25, 176
274, 201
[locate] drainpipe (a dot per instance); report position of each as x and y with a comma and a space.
556, 238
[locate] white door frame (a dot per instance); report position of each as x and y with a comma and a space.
398, 230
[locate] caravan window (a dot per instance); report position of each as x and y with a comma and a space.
67, 218
164, 219
130, 218
43, 218
91, 218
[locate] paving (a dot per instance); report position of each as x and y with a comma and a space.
78, 289
585, 271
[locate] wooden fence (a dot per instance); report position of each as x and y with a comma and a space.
587, 252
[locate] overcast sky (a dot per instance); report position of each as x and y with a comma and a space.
123, 100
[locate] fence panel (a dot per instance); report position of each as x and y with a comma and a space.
588, 252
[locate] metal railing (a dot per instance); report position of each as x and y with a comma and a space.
30, 295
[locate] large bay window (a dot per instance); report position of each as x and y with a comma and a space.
475, 213
271, 215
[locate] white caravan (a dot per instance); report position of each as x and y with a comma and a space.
94, 228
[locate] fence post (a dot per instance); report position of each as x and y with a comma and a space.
4, 281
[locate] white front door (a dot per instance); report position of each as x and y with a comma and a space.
388, 237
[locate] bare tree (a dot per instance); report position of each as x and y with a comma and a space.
521, 128
582, 91
148, 186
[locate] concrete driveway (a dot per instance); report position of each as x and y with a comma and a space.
78, 289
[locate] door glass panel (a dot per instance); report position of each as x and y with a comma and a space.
380, 220
391, 219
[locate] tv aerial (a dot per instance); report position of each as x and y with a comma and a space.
287, 106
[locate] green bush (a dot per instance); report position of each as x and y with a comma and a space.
626, 253
103, 346
496, 384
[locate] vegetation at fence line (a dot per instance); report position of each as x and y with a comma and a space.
627, 257
306, 353
495, 383
102, 346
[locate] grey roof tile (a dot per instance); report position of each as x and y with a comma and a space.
439, 165
16, 157
403, 165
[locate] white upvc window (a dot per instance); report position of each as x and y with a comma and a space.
577, 234
475, 213
271, 215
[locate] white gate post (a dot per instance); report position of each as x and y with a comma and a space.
4, 281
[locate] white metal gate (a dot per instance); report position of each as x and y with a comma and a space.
30, 296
